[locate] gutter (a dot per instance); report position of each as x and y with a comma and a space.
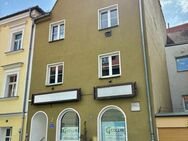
28, 74
146, 66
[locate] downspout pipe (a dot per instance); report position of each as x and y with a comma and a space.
28, 71
146, 66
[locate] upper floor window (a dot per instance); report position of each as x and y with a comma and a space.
6, 133
16, 37
182, 63
57, 31
11, 85
108, 17
17, 41
11, 73
185, 101
54, 74
109, 65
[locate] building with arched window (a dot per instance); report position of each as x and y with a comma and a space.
16, 34
99, 71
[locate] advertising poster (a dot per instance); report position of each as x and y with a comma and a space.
69, 134
113, 131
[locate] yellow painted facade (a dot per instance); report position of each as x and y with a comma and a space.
14, 122
14, 61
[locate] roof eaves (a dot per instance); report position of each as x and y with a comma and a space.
174, 114
175, 44
23, 11
42, 16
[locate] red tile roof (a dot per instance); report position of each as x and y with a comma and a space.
177, 28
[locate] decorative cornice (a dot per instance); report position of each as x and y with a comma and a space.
15, 18
12, 66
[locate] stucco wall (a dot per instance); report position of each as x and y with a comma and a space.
79, 51
156, 39
14, 121
178, 80
15, 104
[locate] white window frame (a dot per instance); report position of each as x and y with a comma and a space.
58, 23
14, 31
186, 110
3, 131
178, 58
100, 116
58, 123
110, 64
7, 74
107, 9
56, 78
9, 137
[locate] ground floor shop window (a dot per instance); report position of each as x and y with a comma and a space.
68, 126
112, 124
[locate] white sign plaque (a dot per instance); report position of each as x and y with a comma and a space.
113, 131
70, 134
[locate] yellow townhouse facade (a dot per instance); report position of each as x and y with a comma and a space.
16, 33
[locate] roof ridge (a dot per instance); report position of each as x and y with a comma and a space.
178, 28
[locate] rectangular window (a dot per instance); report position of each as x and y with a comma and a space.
11, 85
108, 17
109, 65
57, 30
6, 133
182, 63
16, 41
54, 74
185, 101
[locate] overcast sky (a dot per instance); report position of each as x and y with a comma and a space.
175, 11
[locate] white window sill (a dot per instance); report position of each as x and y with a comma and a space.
100, 29
14, 52
9, 98
51, 41
112, 76
48, 85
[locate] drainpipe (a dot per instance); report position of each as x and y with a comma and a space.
27, 76
146, 66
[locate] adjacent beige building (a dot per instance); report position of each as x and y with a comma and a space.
173, 126
16, 32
